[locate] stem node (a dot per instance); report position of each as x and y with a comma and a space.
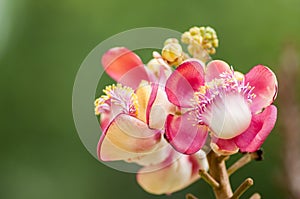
208, 178
190, 196
242, 188
248, 157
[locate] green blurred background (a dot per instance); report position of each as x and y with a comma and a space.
42, 44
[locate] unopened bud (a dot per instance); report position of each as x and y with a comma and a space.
194, 31
171, 52
201, 39
171, 40
186, 38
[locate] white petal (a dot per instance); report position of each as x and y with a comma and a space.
160, 109
168, 179
202, 160
228, 116
154, 157
127, 137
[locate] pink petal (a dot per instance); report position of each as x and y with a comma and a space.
107, 116
127, 137
214, 69
265, 87
223, 146
260, 127
124, 66
153, 104
104, 120
184, 135
152, 98
158, 107
183, 82
164, 74
168, 177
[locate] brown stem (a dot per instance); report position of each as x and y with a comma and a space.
218, 175
255, 196
218, 171
248, 157
242, 188
223, 157
190, 196
209, 179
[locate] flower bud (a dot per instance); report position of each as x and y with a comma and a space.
171, 52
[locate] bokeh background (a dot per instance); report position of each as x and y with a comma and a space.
42, 44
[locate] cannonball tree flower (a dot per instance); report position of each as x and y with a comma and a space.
235, 108
133, 127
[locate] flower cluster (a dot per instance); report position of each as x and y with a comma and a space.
161, 117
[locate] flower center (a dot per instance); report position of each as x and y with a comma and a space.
117, 98
223, 105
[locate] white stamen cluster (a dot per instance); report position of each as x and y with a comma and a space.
219, 88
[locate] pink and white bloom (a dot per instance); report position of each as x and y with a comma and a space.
133, 127
235, 108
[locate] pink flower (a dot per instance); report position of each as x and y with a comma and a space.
127, 68
133, 126
236, 109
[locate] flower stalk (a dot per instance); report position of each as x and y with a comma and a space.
209, 179
255, 196
190, 196
218, 175
247, 158
218, 171
242, 188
